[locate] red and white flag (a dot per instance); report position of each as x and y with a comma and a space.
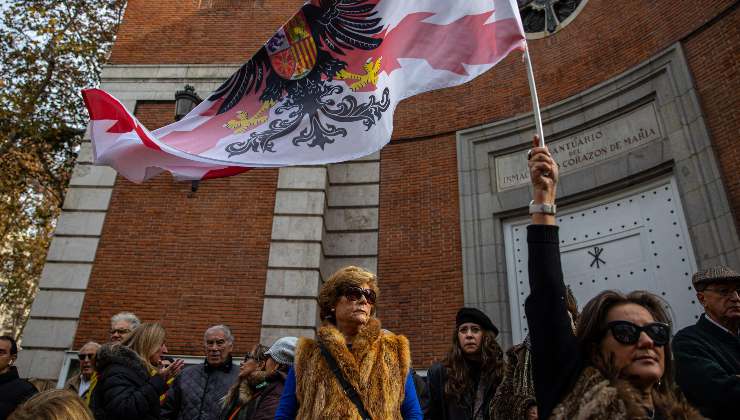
323, 89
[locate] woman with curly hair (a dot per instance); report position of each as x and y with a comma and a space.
463, 384
353, 369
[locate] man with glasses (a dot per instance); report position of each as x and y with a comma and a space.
198, 391
84, 383
121, 325
708, 353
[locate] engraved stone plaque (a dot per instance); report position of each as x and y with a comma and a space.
588, 147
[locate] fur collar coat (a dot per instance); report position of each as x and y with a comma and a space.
376, 365
254, 398
594, 397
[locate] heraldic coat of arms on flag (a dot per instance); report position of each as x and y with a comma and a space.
322, 89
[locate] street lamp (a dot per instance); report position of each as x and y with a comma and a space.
185, 101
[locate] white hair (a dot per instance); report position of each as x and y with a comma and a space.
128, 317
90, 343
226, 330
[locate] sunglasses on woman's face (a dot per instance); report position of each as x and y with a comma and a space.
355, 293
628, 333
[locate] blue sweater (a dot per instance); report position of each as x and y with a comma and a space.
288, 408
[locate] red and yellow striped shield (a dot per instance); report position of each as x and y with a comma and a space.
292, 49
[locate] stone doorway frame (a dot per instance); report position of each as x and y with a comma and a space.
684, 150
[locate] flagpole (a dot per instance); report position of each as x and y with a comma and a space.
533, 94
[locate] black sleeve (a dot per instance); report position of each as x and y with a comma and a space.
124, 399
435, 382
555, 354
422, 392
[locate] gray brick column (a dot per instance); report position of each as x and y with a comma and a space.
352, 215
293, 275
52, 325
325, 218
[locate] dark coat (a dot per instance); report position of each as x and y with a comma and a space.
707, 369
13, 391
440, 408
422, 391
198, 391
257, 404
125, 389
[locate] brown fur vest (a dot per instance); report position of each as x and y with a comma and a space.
594, 397
376, 367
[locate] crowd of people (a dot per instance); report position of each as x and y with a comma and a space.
618, 358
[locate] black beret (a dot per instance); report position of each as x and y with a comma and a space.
475, 316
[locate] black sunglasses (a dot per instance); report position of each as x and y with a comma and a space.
627, 332
83, 356
354, 293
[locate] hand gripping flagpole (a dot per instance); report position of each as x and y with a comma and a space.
533, 94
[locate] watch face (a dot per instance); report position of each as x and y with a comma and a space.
542, 208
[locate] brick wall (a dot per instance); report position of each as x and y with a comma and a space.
419, 255
714, 58
197, 31
185, 260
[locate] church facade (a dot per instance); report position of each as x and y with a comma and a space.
640, 110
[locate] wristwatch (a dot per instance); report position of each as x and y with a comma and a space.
542, 208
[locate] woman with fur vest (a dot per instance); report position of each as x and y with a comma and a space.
129, 384
618, 363
353, 366
462, 386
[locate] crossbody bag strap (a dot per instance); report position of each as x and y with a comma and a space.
349, 390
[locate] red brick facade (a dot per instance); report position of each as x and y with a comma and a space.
421, 289
203, 259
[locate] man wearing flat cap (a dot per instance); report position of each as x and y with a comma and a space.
708, 353
463, 384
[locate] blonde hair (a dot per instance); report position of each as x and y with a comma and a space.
145, 341
331, 290
54, 404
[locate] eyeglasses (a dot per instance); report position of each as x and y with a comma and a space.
355, 293
725, 291
628, 333
83, 356
121, 331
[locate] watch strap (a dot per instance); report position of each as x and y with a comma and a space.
542, 208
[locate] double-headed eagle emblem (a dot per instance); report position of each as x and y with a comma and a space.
294, 70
